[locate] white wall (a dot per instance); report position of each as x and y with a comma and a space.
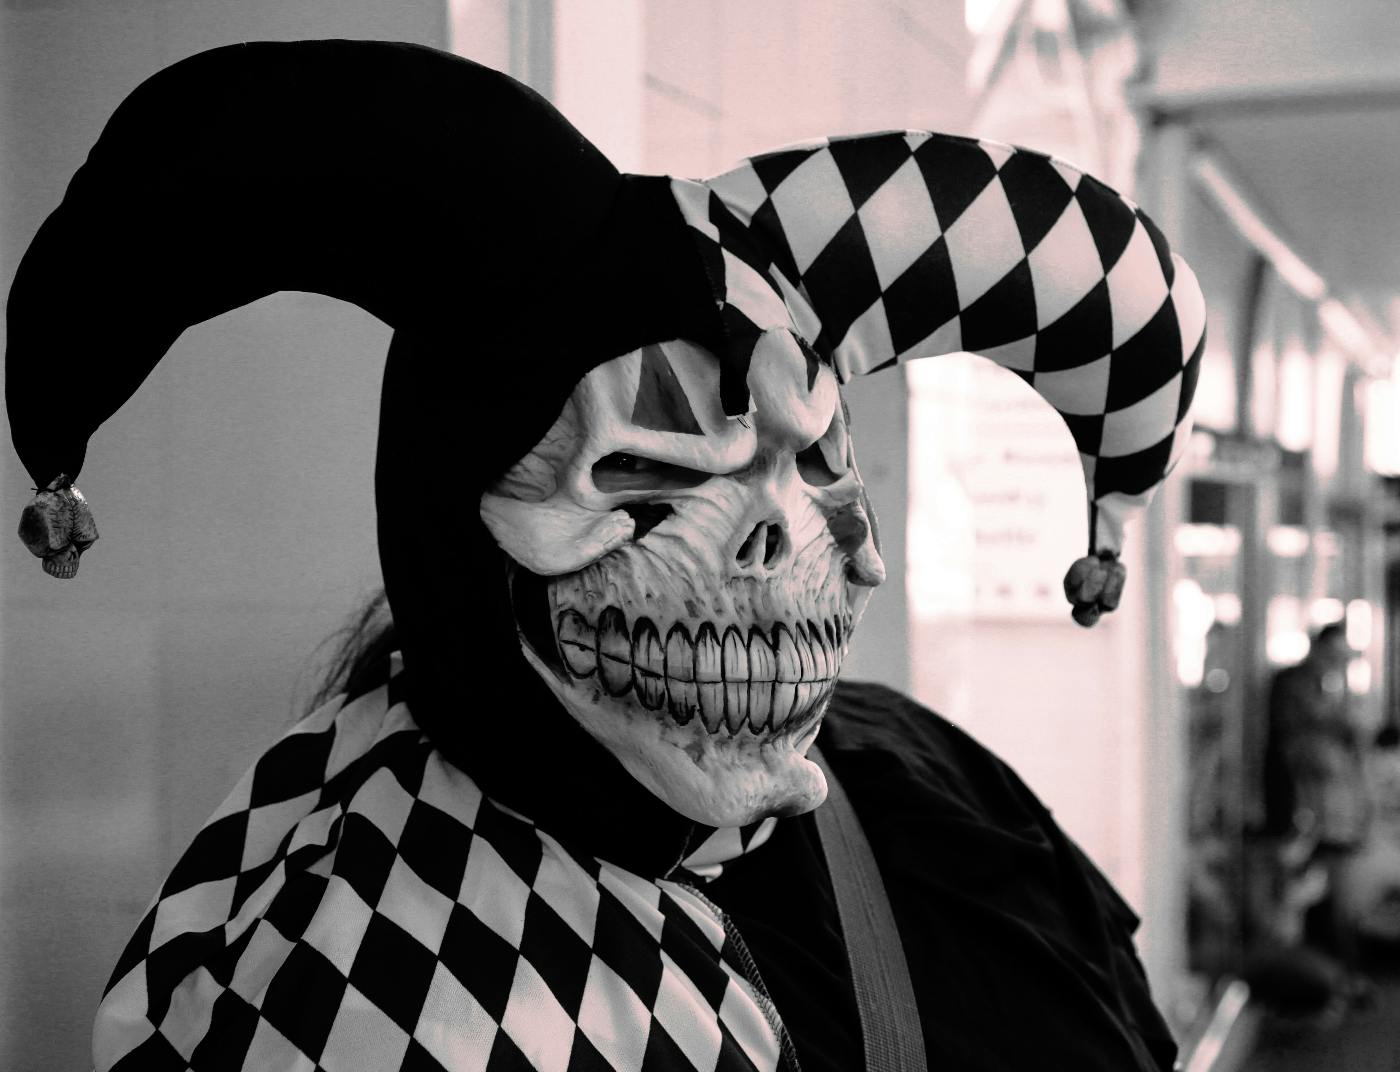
234, 500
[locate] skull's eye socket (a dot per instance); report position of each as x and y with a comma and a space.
812, 467
633, 472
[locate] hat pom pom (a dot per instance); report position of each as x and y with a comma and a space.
1094, 584
57, 526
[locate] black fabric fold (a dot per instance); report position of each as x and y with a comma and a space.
1019, 950
417, 185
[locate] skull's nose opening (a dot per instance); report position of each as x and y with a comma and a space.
763, 546
646, 516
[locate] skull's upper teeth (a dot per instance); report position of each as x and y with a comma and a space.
614, 652
767, 681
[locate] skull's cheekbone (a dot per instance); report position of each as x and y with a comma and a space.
762, 682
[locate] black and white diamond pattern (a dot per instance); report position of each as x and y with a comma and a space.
357, 903
889, 247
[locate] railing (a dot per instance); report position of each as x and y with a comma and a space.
1225, 1041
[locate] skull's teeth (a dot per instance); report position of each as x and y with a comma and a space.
648, 665
709, 676
763, 672
682, 697
577, 644
789, 662
804, 653
763, 682
821, 652
736, 680
614, 652
784, 699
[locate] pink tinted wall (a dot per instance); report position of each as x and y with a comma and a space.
234, 500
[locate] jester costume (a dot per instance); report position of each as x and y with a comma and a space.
444, 868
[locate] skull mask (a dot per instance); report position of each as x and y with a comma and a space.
687, 583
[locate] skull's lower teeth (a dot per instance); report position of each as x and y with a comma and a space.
728, 679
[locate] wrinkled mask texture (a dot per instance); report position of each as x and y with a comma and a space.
687, 583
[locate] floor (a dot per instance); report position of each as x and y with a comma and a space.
1367, 1040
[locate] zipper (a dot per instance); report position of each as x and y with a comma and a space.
755, 980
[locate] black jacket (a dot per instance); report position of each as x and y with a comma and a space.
1019, 950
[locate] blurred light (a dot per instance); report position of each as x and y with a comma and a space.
1325, 543
1206, 541
1326, 610
1227, 608
1050, 15
1294, 428
1359, 618
1217, 679
1359, 676
1215, 390
1287, 541
1381, 420
1263, 402
1286, 638
978, 13
1202, 447
1284, 649
1329, 378
1347, 331
1195, 614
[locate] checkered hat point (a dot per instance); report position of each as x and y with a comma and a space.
882, 248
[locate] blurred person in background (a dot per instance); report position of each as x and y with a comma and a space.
1312, 766
1317, 813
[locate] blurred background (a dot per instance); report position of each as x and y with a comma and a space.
1224, 746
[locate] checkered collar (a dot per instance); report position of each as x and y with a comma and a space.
652, 840
700, 858
357, 903
604, 812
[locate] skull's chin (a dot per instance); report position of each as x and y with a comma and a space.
715, 779
714, 717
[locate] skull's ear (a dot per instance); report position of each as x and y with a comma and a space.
895, 246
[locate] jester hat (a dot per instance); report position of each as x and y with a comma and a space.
510, 257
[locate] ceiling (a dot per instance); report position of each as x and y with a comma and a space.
1302, 99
